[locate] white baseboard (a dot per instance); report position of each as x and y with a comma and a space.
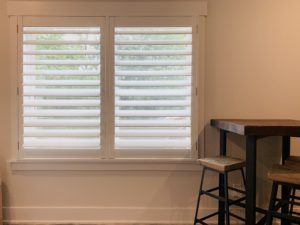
104, 215
98, 215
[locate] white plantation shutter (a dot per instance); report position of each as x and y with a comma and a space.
153, 88
82, 96
61, 82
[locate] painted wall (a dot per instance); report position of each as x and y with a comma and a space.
252, 60
252, 71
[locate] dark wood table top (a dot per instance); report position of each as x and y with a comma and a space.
259, 127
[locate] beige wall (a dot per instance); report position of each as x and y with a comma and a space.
253, 50
252, 60
4, 92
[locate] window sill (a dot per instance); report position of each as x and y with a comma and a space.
105, 165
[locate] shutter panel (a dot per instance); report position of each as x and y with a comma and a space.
153, 87
61, 88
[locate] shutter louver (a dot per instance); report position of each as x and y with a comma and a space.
61, 88
153, 87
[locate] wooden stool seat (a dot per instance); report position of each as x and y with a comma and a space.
284, 174
293, 162
222, 163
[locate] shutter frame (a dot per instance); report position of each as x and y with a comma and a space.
46, 93
163, 141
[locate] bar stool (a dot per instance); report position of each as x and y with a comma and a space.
222, 165
285, 176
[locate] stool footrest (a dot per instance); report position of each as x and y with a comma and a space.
213, 195
296, 213
286, 202
208, 192
285, 216
234, 202
208, 216
296, 197
257, 209
237, 217
230, 188
212, 189
201, 221
237, 190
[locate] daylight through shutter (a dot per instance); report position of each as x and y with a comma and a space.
61, 88
153, 86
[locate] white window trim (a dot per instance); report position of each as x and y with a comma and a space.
25, 8
108, 8
106, 165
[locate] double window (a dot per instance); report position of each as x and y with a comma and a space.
117, 87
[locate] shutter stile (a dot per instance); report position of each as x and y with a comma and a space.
153, 88
61, 88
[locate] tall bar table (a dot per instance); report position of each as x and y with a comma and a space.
253, 130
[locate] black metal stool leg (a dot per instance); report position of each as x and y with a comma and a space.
244, 178
226, 198
199, 196
272, 203
293, 201
285, 207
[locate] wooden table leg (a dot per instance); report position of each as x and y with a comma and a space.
286, 150
251, 180
221, 218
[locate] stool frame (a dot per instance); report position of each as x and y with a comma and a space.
224, 189
273, 207
294, 197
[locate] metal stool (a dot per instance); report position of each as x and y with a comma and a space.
284, 175
223, 165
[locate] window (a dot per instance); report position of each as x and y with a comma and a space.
92, 90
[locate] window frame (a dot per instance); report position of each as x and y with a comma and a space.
19, 163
